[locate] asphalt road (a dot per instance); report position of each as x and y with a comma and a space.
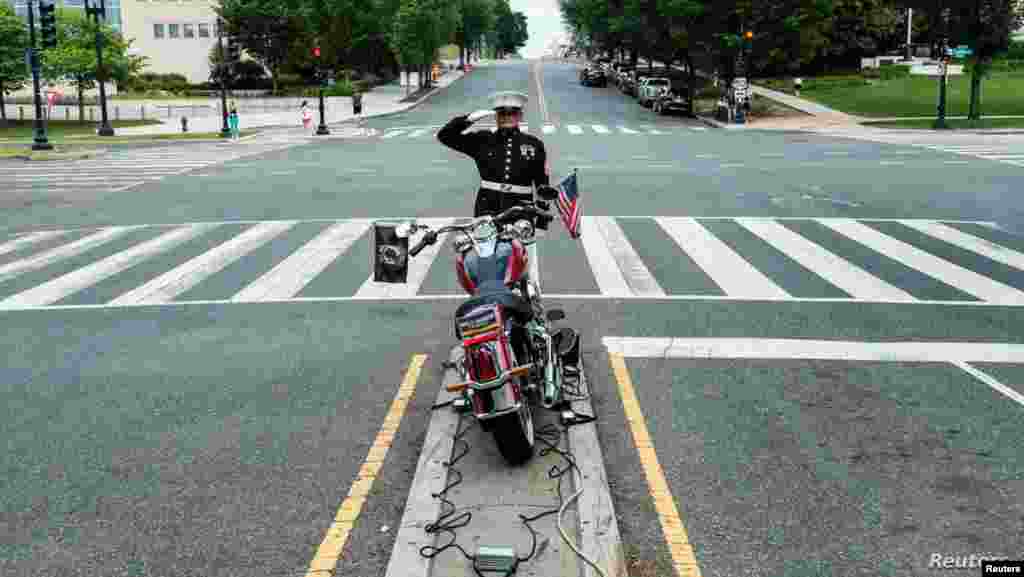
184, 395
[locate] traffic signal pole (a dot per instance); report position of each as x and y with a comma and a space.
40, 142
321, 80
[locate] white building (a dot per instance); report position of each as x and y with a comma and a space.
175, 35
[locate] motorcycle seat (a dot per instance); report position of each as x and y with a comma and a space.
515, 306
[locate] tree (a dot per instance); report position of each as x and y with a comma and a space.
509, 32
986, 26
477, 17
13, 69
74, 58
266, 29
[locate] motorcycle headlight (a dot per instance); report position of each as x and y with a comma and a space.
524, 229
462, 244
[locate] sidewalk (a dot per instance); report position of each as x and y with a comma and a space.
381, 101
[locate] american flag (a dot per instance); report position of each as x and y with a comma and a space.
569, 205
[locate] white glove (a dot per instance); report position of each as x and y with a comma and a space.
479, 114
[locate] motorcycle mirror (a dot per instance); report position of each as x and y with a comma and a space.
403, 229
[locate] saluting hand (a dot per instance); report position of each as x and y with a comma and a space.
479, 114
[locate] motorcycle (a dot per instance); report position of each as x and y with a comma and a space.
512, 356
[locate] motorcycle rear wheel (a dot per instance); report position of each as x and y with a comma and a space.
514, 435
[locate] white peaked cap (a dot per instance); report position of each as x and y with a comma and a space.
508, 99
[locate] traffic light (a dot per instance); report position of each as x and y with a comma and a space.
316, 52
48, 25
748, 40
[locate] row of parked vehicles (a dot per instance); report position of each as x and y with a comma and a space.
660, 89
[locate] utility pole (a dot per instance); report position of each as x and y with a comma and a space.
40, 142
97, 12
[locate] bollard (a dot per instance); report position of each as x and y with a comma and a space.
21, 113
67, 113
91, 114
117, 113
184, 124
142, 111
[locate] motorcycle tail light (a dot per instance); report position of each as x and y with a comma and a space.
485, 363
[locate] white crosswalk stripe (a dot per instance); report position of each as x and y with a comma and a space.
965, 280
174, 282
729, 270
28, 240
121, 168
13, 269
970, 242
72, 282
1003, 148
287, 278
609, 253
420, 132
855, 281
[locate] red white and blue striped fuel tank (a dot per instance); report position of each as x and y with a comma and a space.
505, 266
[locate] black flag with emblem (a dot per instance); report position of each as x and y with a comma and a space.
390, 254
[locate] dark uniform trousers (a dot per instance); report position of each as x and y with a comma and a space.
505, 157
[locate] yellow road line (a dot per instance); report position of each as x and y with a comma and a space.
327, 555
672, 527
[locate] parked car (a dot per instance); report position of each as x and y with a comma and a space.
652, 88
593, 76
671, 100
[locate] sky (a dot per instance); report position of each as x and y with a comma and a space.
543, 23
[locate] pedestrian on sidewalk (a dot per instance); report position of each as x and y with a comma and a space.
307, 117
233, 122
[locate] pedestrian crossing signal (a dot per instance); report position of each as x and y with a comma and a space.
316, 52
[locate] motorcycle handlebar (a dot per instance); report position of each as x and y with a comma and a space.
431, 236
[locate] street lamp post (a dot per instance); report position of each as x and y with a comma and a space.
40, 142
222, 73
100, 11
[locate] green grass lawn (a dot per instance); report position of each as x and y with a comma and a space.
1002, 93
58, 129
956, 123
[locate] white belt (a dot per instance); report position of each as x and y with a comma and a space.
505, 187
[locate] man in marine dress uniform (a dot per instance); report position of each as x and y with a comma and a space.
510, 162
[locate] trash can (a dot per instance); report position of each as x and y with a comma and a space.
357, 103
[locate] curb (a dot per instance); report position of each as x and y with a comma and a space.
405, 108
61, 156
719, 124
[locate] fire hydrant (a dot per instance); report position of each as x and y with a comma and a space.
184, 124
